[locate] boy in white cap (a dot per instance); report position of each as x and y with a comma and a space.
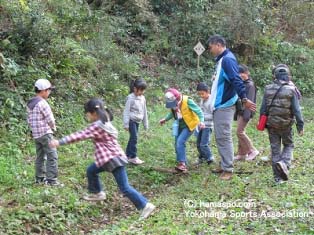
42, 123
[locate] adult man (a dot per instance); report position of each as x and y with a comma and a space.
226, 88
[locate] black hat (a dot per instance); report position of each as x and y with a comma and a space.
243, 68
202, 87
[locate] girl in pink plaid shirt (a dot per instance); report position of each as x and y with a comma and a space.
108, 156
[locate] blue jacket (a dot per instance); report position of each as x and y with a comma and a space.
230, 84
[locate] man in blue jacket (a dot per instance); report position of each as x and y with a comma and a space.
227, 87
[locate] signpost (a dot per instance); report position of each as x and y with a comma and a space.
199, 49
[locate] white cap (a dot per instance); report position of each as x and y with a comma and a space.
43, 84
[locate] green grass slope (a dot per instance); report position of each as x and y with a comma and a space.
195, 203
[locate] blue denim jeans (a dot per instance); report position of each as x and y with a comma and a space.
180, 144
121, 177
203, 141
131, 149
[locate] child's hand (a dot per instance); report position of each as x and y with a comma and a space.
54, 144
162, 121
126, 128
201, 125
301, 133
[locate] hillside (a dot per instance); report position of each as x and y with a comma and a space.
94, 49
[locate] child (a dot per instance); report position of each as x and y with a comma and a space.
189, 116
108, 156
246, 150
42, 123
281, 103
135, 112
203, 137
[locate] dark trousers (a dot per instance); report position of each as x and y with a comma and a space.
281, 143
131, 149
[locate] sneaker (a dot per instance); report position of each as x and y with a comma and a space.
95, 196
54, 183
239, 157
147, 211
252, 155
226, 175
283, 170
181, 167
135, 161
40, 180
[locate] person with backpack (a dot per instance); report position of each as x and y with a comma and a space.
281, 105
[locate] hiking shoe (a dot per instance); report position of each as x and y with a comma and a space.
54, 183
95, 196
239, 157
283, 170
226, 175
147, 211
252, 155
135, 161
217, 170
40, 180
181, 167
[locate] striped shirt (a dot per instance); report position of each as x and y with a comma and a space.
40, 118
106, 145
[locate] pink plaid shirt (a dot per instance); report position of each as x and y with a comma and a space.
106, 145
40, 119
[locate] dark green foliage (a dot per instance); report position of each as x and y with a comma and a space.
96, 52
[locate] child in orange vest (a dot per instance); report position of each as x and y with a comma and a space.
188, 115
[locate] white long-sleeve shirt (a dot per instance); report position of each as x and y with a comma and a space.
135, 110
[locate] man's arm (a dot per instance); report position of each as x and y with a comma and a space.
230, 67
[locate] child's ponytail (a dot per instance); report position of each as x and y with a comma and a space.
97, 105
132, 86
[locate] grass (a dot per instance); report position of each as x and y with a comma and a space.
248, 204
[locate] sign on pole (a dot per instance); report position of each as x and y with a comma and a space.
199, 49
